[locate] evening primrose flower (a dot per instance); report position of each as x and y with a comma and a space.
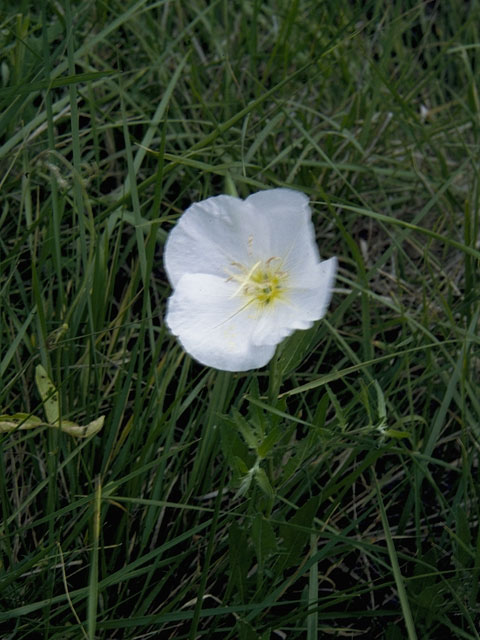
245, 274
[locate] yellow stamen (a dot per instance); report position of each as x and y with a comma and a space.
262, 283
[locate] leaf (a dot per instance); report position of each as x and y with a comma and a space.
338, 409
464, 537
245, 429
264, 483
232, 446
51, 405
394, 433
295, 348
23, 421
48, 394
82, 432
321, 412
240, 466
270, 441
246, 631
245, 482
263, 538
62, 81
19, 421
296, 532
240, 559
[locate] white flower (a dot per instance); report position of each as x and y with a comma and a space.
245, 274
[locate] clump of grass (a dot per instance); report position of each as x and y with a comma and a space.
334, 493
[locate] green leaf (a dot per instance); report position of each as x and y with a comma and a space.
246, 631
399, 580
62, 81
232, 446
240, 465
296, 532
342, 421
240, 559
270, 441
295, 349
263, 538
264, 483
464, 537
430, 598
394, 433
321, 412
245, 429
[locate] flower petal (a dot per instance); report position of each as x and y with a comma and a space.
287, 215
213, 326
300, 308
211, 236
314, 301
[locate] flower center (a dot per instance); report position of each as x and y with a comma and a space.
262, 283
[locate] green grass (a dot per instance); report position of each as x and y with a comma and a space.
334, 493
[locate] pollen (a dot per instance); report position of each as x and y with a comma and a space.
262, 283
